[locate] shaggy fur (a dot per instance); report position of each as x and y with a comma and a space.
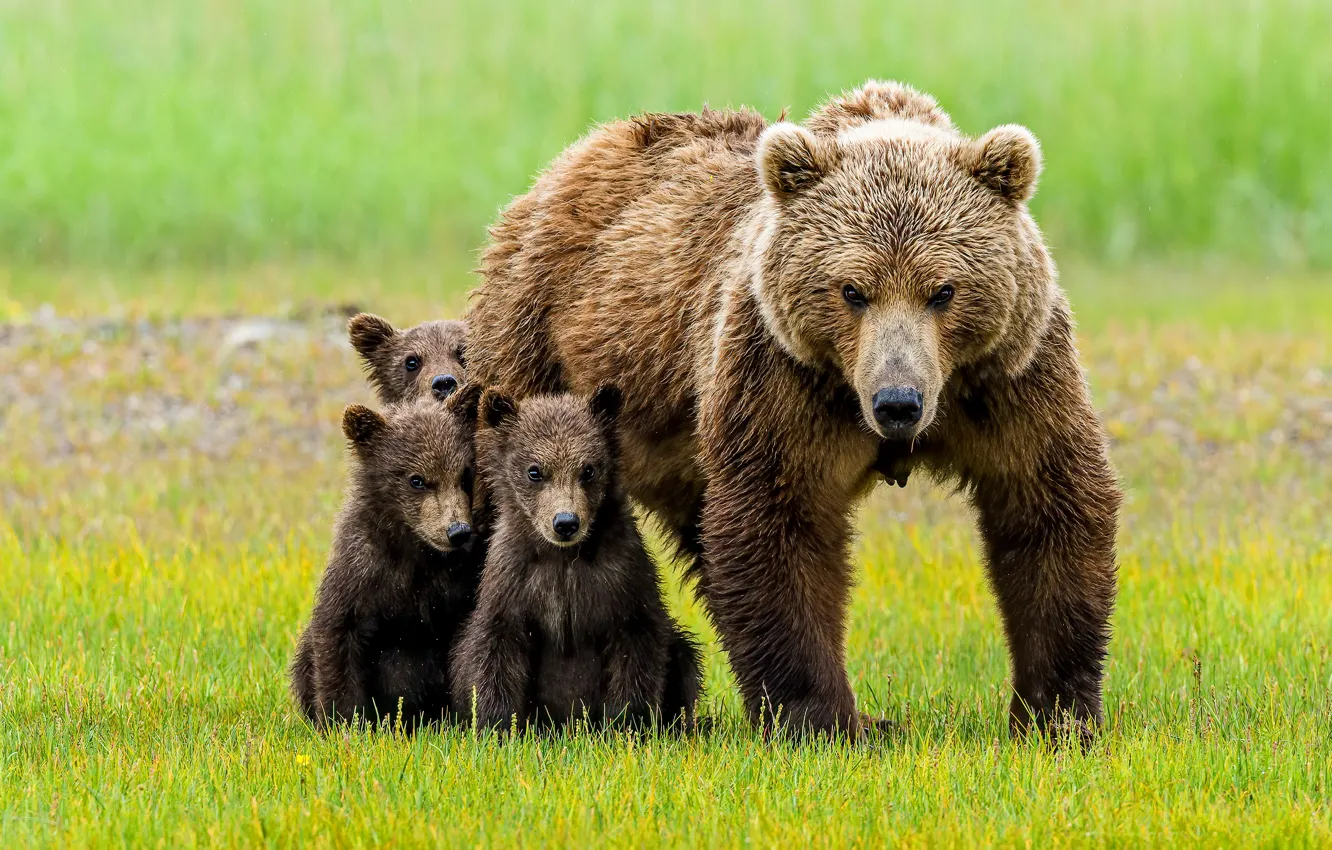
761, 293
567, 625
399, 582
421, 362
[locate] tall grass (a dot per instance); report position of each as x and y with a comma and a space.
139, 132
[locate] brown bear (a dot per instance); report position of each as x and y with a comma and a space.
404, 568
570, 621
426, 360
792, 312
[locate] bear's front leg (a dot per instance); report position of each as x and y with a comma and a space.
777, 583
635, 672
1047, 501
339, 675
491, 670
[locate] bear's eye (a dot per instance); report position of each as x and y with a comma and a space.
589, 474
412, 363
468, 477
942, 295
417, 482
853, 296
534, 472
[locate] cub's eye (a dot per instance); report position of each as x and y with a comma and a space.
412, 363
534, 472
468, 477
417, 482
853, 296
589, 474
942, 296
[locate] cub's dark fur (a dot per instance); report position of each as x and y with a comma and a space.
570, 619
404, 569
421, 362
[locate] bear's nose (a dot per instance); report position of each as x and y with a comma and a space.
566, 525
443, 386
898, 407
459, 534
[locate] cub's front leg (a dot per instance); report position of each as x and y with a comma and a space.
492, 670
636, 672
339, 672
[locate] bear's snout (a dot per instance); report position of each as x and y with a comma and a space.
459, 534
898, 410
443, 386
566, 525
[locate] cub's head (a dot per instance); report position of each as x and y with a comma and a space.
552, 459
416, 461
423, 362
898, 251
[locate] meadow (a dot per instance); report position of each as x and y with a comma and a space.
195, 195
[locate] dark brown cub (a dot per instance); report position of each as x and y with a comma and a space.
403, 572
570, 621
421, 362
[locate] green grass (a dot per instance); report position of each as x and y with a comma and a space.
166, 493
165, 502
247, 131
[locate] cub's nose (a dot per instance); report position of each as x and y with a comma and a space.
566, 525
459, 534
443, 386
898, 408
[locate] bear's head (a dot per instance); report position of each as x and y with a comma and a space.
552, 459
896, 250
416, 462
423, 361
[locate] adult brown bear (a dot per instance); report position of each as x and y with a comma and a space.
791, 312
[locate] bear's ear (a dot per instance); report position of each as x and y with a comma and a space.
790, 159
498, 408
360, 424
605, 403
1007, 161
368, 332
465, 401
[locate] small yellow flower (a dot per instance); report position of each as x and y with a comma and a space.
302, 760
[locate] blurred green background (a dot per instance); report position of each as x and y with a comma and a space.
206, 134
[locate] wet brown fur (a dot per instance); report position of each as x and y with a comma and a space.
395, 592
439, 348
576, 627
701, 262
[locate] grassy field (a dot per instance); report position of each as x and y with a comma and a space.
167, 487
194, 195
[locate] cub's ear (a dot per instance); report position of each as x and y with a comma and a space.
465, 401
368, 332
791, 159
605, 403
360, 424
1007, 161
498, 408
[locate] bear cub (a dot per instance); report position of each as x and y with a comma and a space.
570, 621
403, 572
424, 361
